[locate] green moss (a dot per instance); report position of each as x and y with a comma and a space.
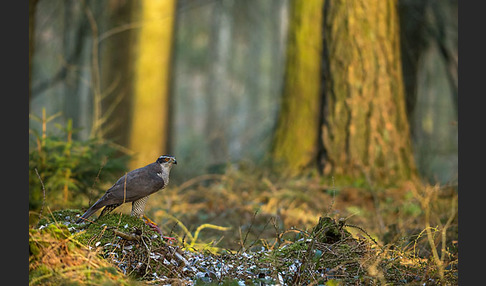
290, 250
101, 229
62, 224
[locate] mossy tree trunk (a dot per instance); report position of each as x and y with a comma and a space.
365, 131
295, 143
150, 110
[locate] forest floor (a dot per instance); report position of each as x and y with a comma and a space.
246, 227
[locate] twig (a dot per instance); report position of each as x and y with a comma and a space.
248, 231
259, 234
430, 195
43, 192
103, 163
444, 230
124, 196
147, 265
278, 240
126, 236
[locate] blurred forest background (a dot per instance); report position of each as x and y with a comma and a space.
359, 94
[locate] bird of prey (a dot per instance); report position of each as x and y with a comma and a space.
134, 187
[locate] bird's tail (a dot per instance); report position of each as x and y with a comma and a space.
96, 206
88, 213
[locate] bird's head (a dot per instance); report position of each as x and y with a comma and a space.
166, 160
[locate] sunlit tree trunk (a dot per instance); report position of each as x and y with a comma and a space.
149, 118
365, 131
295, 143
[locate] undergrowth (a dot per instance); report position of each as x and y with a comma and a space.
64, 171
249, 226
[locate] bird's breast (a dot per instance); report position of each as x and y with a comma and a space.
164, 174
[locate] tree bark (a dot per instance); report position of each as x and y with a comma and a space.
295, 143
365, 131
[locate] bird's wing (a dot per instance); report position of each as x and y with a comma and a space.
134, 185
139, 183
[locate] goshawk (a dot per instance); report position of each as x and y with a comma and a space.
134, 187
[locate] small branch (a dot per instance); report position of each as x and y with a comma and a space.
127, 236
242, 246
43, 192
444, 229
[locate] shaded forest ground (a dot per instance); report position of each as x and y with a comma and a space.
265, 226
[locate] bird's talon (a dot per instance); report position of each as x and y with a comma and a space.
170, 239
156, 228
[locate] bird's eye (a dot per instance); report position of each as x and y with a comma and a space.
166, 159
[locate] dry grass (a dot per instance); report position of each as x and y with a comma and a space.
57, 257
248, 201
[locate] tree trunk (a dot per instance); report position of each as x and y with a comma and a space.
32, 6
149, 117
365, 132
413, 43
219, 83
117, 69
77, 45
295, 143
